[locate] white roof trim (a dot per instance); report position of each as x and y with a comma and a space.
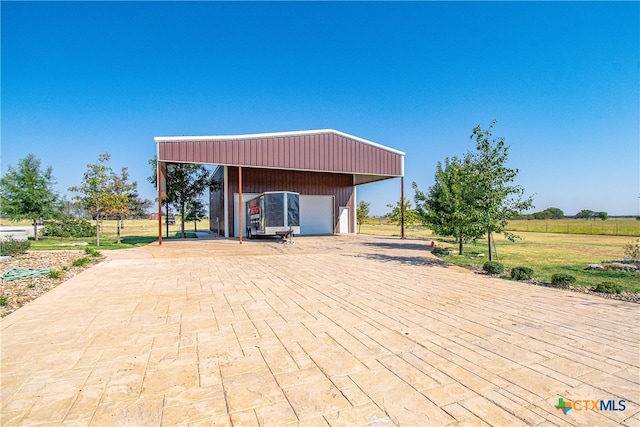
272, 135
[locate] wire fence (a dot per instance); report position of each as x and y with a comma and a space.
614, 227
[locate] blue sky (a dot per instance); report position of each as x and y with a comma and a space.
562, 79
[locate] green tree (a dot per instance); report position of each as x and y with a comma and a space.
139, 207
395, 216
496, 198
119, 198
362, 212
95, 190
185, 183
195, 212
70, 208
448, 208
632, 251
27, 192
556, 213
549, 213
603, 216
586, 214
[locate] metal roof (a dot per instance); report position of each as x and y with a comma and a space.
325, 150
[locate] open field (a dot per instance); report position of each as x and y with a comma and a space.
545, 253
613, 226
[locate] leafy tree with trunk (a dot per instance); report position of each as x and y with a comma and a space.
195, 212
119, 199
475, 195
27, 192
95, 190
138, 207
362, 212
448, 208
395, 216
185, 183
496, 198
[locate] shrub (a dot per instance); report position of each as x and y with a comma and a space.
608, 288
493, 267
521, 273
69, 227
79, 262
11, 247
563, 280
92, 252
55, 274
3, 300
632, 250
440, 251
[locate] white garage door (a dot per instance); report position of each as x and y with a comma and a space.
316, 214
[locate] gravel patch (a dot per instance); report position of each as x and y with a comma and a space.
16, 293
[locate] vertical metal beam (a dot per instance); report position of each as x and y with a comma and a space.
240, 202
159, 181
226, 201
354, 212
402, 207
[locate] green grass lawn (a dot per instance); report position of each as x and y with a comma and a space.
137, 232
545, 253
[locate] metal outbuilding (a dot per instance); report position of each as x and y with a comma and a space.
324, 166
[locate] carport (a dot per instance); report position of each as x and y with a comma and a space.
324, 166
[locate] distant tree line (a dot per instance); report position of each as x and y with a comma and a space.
556, 213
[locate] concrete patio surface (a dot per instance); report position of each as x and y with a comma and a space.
329, 331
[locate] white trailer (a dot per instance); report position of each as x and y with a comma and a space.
273, 213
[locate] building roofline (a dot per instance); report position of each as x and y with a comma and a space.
158, 139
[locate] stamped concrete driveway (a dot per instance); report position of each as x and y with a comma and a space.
340, 331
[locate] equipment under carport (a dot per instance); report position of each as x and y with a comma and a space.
274, 213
